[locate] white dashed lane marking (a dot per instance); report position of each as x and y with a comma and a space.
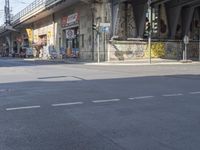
21, 108
172, 95
105, 101
193, 93
101, 101
141, 97
67, 104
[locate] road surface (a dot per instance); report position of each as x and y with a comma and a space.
57, 106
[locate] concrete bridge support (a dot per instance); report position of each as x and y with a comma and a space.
187, 15
139, 11
173, 16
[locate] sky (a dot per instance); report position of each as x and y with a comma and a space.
16, 6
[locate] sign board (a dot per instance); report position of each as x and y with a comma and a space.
105, 29
30, 34
70, 20
149, 3
70, 34
186, 39
104, 24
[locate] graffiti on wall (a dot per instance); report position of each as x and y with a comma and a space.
173, 50
127, 51
124, 50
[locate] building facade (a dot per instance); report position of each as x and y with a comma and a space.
104, 30
168, 21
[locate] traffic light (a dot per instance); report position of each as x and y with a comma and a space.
94, 27
147, 27
155, 16
155, 25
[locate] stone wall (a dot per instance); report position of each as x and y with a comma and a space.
133, 50
126, 50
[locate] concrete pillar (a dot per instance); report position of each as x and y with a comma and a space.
8, 39
139, 12
173, 15
198, 9
187, 16
116, 18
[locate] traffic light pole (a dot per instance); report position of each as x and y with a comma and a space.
98, 48
149, 48
150, 30
199, 44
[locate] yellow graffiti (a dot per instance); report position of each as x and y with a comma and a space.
30, 34
49, 34
157, 50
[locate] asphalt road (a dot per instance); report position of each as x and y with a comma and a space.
57, 106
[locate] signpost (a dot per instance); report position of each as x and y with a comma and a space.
186, 42
104, 24
101, 28
98, 48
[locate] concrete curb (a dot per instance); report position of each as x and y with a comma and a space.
114, 63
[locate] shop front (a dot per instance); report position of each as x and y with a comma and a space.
71, 32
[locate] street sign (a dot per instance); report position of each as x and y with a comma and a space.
70, 34
186, 42
105, 24
186, 39
105, 29
149, 3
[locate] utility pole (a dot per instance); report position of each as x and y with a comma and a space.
7, 13
7, 24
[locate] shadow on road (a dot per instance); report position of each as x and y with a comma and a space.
77, 87
160, 123
10, 62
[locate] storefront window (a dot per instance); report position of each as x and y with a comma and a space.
72, 42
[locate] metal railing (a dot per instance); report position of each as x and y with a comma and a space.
33, 7
29, 9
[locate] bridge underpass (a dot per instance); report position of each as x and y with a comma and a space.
177, 20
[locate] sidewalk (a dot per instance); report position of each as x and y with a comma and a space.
157, 61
